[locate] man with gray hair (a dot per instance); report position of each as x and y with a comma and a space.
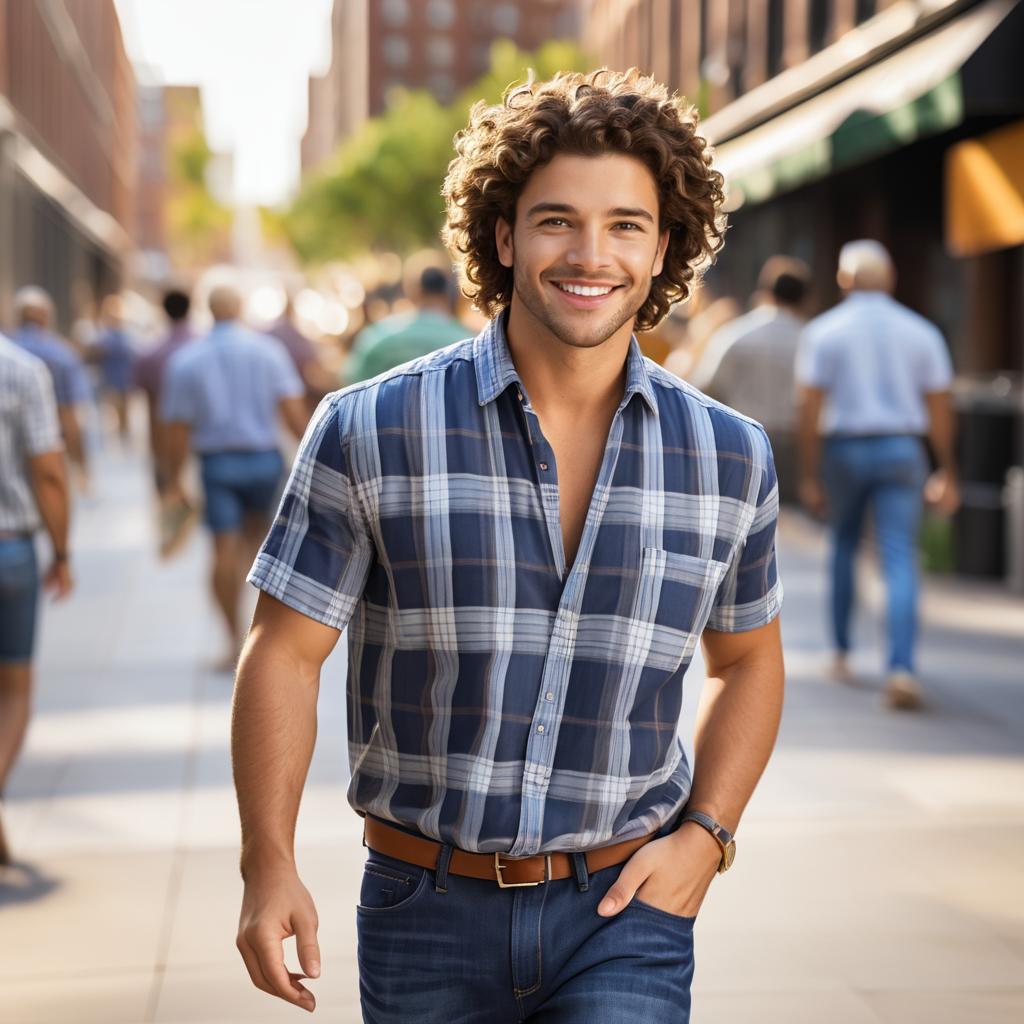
222, 397
749, 362
33, 309
875, 377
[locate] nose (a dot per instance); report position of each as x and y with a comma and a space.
589, 250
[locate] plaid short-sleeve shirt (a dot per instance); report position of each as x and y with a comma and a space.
495, 701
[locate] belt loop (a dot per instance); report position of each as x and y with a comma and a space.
579, 868
444, 857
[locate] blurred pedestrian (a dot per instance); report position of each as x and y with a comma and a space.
34, 312
176, 516
114, 351
222, 397
529, 532
33, 492
750, 362
875, 377
404, 336
304, 356
704, 314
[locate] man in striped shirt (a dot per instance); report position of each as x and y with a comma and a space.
33, 493
527, 534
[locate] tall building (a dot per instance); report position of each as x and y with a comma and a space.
438, 45
67, 151
838, 119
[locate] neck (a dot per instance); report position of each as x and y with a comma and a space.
564, 377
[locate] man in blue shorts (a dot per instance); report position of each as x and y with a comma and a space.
33, 492
223, 397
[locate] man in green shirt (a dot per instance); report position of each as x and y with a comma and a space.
404, 336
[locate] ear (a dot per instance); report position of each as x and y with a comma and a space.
503, 242
659, 258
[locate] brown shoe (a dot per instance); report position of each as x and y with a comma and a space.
903, 692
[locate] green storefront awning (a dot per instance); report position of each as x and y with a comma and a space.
919, 91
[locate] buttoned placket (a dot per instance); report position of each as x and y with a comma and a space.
540, 748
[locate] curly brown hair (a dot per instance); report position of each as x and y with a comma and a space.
584, 115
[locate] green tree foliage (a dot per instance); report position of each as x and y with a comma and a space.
382, 189
198, 226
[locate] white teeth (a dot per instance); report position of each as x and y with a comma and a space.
579, 289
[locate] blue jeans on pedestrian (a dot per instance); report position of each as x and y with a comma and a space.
886, 473
478, 954
19, 599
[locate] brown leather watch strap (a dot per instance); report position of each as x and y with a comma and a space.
393, 842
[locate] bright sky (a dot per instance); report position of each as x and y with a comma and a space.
252, 59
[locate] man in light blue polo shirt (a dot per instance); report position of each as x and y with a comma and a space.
33, 309
223, 397
875, 378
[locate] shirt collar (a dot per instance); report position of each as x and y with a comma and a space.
495, 370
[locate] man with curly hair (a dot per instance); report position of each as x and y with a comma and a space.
527, 533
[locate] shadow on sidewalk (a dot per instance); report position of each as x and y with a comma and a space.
22, 882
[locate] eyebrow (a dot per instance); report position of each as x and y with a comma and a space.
637, 213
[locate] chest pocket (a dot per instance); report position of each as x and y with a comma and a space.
674, 597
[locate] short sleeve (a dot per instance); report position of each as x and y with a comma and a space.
938, 369
41, 427
750, 594
813, 367
317, 556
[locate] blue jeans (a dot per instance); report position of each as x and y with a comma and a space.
19, 599
887, 473
477, 954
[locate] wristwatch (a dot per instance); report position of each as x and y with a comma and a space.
720, 833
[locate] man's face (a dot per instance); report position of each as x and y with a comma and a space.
584, 247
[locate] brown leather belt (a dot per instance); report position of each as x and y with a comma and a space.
494, 867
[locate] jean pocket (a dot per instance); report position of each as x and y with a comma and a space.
389, 884
677, 919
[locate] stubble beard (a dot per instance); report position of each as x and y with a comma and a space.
567, 328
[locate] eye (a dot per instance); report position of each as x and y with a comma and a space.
555, 222
628, 225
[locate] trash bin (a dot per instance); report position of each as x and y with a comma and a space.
990, 421
1015, 529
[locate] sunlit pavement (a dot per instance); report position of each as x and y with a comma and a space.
880, 874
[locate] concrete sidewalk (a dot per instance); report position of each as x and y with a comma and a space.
880, 875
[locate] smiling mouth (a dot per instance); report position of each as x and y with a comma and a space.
587, 291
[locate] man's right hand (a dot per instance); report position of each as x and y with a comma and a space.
275, 906
58, 579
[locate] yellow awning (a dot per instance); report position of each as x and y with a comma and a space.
985, 192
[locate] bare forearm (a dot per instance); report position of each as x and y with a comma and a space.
72, 433
941, 424
737, 723
50, 489
174, 446
809, 438
273, 732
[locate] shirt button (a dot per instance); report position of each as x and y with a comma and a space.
543, 465
519, 395
540, 728
549, 696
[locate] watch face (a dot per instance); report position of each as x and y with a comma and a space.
729, 855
